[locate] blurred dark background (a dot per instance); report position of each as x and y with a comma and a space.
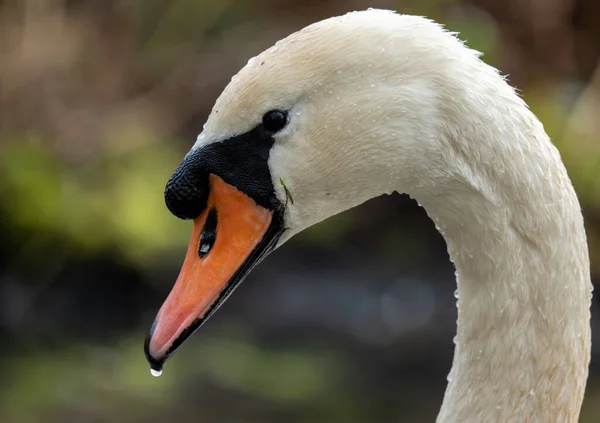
351, 321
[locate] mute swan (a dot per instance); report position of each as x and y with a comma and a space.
373, 102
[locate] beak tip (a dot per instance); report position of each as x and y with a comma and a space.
155, 363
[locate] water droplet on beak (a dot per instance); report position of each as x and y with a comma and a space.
156, 373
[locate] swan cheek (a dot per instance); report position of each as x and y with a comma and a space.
228, 238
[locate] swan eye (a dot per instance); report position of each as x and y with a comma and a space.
209, 234
274, 121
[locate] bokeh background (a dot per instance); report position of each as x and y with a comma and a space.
351, 321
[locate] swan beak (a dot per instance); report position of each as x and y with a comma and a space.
229, 237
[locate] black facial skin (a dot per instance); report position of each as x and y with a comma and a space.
241, 161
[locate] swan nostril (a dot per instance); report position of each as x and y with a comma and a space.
209, 233
187, 191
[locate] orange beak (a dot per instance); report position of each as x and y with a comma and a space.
228, 238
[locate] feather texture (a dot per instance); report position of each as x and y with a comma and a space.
381, 102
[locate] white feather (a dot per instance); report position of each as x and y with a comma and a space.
381, 102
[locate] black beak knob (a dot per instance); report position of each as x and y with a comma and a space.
187, 190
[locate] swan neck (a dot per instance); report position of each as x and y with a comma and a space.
515, 234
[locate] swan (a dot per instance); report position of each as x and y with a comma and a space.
374, 102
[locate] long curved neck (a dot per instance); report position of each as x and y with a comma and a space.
523, 337
425, 116
514, 230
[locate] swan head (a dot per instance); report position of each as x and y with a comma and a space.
302, 132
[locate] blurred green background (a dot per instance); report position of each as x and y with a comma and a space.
351, 321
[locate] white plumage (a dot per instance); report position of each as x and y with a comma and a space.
381, 102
